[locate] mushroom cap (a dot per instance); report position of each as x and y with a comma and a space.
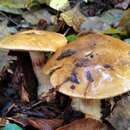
95, 66
33, 40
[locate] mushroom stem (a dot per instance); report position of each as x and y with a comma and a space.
38, 60
91, 108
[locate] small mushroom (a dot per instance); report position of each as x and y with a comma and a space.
99, 69
36, 42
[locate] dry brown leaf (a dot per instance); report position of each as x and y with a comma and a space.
45, 124
19, 119
120, 117
125, 18
24, 95
73, 18
3, 122
125, 21
85, 124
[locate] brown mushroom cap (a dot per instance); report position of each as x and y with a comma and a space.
94, 66
33, 40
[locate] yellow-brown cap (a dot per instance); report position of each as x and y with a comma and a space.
95, 66
33, 40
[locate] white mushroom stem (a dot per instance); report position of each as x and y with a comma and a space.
91, 108
38, 61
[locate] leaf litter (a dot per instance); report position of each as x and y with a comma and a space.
18, 102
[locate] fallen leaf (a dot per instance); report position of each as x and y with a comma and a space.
112, 16
12, 6
84, 124
32, 3
5, 30
4, 59
116, 36
127, 40
71, 38
125, 21
21, 4
112, 31
59, 4
120, 117
34, 17
10, 10
6, 105
73, 18
24, 95
16, 6
19, 119
45, 124
123, 5
94, 24
55, 4
3, 122
14, 3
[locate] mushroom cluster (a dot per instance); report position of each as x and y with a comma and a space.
36, 42
93, 67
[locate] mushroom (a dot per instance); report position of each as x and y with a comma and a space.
93, 67
36, 42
